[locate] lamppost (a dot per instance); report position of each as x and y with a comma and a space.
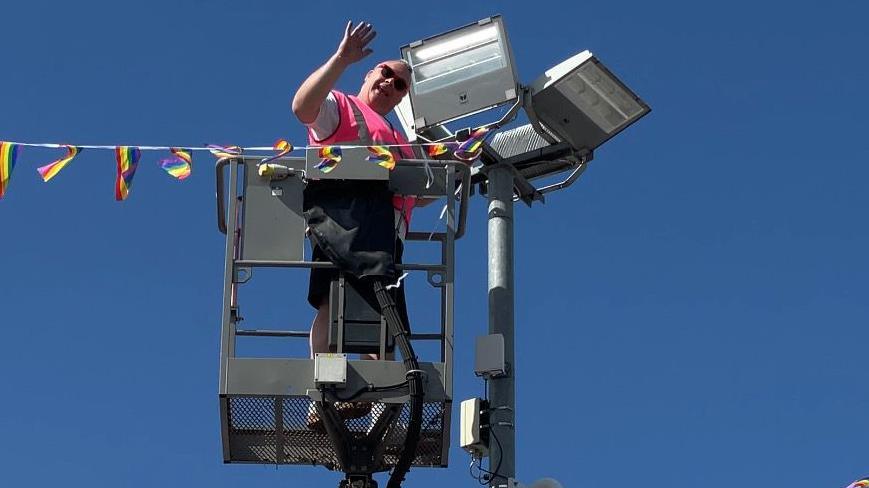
572, 109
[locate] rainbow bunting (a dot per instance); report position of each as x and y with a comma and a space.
128, 161
224, 151
434, 150
330, 156
180, 165
470, 149
382, 156
282, 147
8, 153
50, 170
861, 483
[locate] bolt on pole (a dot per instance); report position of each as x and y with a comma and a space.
502, 392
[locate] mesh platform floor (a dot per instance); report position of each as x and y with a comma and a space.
254, 436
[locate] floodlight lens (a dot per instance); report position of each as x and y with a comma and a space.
451, 44
600, 97
454, 59
461, 72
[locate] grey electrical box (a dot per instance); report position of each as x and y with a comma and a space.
489, 356
461, 72
472, 436
330, 369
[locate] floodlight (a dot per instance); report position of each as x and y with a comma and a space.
461, 72
582, 103
404, 112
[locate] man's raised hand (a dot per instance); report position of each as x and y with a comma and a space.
353, 46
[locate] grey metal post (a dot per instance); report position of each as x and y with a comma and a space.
502, 395
227, 334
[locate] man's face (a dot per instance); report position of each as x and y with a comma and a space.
385, 86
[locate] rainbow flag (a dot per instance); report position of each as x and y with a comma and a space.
470, 149
50, 170
382, 156
8, 153
282, 147
330, 156
128, 161
180, 165
434, 150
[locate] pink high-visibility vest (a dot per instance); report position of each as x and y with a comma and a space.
359, 124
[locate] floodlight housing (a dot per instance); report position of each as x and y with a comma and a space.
460, 73
582, 103
404, 112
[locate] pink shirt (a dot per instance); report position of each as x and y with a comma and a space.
380, 131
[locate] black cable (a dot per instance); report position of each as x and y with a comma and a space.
500, 454
492, 432
471, 470
495, 473
390, 388
479, 477
369, 388
414, 377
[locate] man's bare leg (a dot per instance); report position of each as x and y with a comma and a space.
319, 337
318, 342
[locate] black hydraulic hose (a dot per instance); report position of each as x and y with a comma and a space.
401, 334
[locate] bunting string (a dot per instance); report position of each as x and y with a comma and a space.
224, 151
433, 149
429, 175
180, 164
397, 283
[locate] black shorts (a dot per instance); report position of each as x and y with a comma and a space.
321, 279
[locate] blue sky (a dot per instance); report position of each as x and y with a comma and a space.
692, 312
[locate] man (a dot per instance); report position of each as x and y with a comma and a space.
335, 118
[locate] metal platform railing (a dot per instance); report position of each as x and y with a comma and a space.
266, 403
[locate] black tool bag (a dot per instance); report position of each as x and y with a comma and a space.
353, 223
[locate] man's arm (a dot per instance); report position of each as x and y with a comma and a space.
309, 97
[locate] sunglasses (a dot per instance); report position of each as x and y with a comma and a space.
398, 83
